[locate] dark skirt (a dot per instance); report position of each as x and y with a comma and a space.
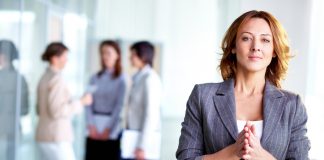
102, 150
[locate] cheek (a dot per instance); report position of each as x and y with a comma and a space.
242, 50
105, 58
269, 59
114, 57
64, 59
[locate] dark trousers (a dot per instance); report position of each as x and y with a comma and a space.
102, 150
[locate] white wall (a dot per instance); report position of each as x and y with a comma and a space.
187, 30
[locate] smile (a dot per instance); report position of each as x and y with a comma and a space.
254, 58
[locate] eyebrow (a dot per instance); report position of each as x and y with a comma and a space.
262, 34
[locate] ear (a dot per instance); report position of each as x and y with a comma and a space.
233, 50
274, 55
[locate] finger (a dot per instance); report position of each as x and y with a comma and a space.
247, 135
248, 124
241, 137
241, 133
248, 150
246, 156
253, 140
253, 129
246, 141
246, 129
241, 153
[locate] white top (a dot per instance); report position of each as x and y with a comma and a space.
258, 125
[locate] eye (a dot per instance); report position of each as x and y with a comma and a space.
266, 40
245, 38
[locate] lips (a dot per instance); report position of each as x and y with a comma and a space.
253, 57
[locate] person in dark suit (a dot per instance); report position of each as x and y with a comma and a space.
248, 116
13, 96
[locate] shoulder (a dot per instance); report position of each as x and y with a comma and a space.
122, 78
204, 93
207, 88
55, 80
294, 107
291, 96
94, 78
152, 77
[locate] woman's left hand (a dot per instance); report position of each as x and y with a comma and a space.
253, 148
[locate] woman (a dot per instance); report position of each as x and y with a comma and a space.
248, 116
55, 107
143, 114
103, 116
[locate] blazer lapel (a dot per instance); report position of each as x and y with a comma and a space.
273, 100
225, 105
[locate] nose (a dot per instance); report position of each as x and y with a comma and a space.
254, 49
256, 46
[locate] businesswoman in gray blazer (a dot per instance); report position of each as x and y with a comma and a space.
248, 116
143, 114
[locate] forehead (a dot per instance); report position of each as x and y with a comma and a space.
256, 26
108, 48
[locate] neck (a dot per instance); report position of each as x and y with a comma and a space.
108, 68
249, 83
142, 66
55, 67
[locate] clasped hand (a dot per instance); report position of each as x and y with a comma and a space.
248, 145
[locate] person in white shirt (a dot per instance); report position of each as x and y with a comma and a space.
143, 114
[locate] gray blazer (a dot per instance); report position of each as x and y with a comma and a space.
143, 112
210, 122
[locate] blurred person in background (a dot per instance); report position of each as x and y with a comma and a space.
248, 116
143, 113
103, 116
12, 92
55, 107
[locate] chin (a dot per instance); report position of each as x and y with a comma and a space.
255, 68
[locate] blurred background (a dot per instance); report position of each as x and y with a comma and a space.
187, 34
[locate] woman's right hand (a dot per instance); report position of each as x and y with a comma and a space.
233, 151
86, 99
93, 133
240, 143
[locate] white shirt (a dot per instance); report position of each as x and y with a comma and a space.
258, 125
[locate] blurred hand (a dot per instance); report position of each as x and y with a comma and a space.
105, 135
86, 99
93, 133
139, 154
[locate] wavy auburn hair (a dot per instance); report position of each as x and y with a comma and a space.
278, 67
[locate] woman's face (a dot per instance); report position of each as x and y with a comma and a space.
59, 61
135, 60
109, 56
62, 59
254, 46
